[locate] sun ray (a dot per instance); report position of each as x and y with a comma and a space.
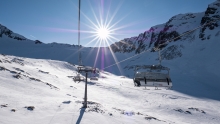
118, 21
107, 15
97, 54
114, 38
89, 20
103, 31
91, 41
93, 28
101, 13
113, 43
115, 59
94, 15
115, 12
90, 52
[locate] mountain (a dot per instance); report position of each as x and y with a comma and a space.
39, 91
173, 28
5, 32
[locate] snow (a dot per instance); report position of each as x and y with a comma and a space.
112, 99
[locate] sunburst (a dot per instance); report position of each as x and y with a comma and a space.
104, 27
103, 33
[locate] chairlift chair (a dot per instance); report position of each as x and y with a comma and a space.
153, 77
94, 77
85, 69
78, 78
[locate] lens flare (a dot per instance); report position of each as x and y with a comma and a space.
103, 33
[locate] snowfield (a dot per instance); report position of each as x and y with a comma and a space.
38, 91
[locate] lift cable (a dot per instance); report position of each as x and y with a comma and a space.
157, 47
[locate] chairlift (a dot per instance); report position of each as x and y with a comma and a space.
94, 77
154, 76
87, 69
79, 78
82, 69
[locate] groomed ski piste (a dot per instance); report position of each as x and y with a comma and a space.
40, 91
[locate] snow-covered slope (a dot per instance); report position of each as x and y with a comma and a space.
37, 91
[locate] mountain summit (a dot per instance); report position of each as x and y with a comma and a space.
173, 28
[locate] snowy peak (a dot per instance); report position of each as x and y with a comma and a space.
8, 33
210, 20
172, 29
215, 4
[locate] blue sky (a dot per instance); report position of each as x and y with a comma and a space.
57, 20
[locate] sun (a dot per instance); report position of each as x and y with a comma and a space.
103, 33
102, 28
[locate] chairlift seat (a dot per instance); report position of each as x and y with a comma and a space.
153, 77
78, 78
94, 78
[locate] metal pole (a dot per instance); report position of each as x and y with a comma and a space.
159, 57
79, 61
85, 97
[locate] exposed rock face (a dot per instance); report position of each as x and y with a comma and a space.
210, 20
5, 31
172, 52
38, 42
126, 45
172, 29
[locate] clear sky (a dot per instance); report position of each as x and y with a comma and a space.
57, 20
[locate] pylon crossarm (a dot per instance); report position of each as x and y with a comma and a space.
86, 69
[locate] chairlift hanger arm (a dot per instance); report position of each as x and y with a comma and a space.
86, 69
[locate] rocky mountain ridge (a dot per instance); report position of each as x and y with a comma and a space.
172, 29
8, 33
